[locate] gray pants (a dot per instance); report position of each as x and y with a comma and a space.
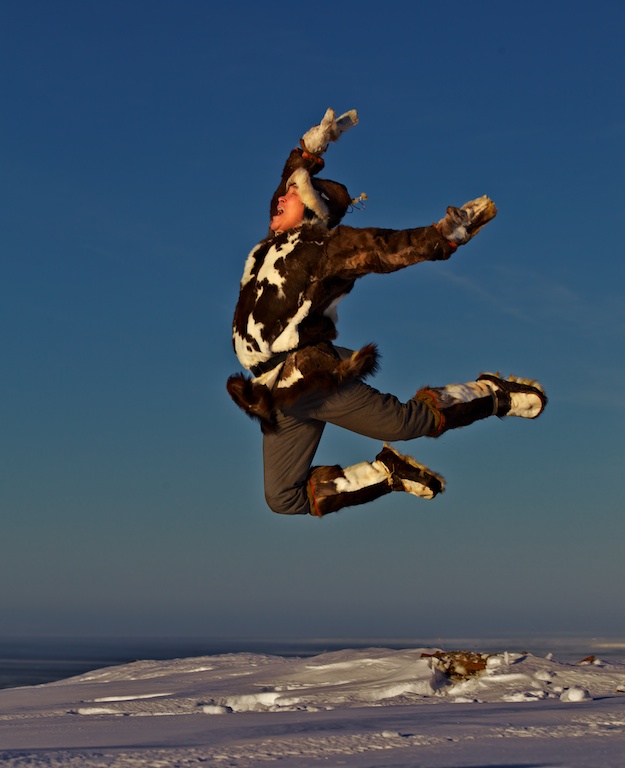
288, 453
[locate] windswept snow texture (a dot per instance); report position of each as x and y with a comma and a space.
364, 708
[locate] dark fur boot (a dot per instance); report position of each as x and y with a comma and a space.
458, 405
332, 488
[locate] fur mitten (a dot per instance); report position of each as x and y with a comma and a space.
459, 225
317, 138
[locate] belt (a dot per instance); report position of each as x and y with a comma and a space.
270, 364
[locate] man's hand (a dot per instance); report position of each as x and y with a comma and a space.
316, 140
461, 224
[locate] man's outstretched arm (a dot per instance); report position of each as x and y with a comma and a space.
355, 252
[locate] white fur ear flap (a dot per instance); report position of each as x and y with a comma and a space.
317, 138
308, 194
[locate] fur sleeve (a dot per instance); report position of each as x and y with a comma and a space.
355, 252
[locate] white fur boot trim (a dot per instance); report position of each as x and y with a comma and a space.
452, 394
361, 476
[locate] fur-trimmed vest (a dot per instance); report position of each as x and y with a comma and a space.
286, 313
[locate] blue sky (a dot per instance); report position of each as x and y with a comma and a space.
142, 141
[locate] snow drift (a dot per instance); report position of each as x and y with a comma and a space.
244, 709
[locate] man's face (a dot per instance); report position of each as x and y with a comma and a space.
290, 211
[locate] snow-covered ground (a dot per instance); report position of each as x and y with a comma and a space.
363, 708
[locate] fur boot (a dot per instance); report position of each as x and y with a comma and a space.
516, 396
458, 405
409, 475
331, 488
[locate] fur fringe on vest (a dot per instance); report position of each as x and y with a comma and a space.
316, 368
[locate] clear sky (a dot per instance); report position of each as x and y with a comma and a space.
141, 143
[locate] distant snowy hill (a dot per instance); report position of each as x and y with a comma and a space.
362, 708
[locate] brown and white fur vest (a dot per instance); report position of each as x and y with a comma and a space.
290, 289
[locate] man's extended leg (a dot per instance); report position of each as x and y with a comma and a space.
376, 415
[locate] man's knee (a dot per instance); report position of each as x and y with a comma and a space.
291, 502
420, 419
413, 420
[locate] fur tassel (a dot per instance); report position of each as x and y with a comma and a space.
361, 364
255, 399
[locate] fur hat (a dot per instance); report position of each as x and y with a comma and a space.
327, 200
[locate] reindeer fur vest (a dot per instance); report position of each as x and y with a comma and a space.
285, 319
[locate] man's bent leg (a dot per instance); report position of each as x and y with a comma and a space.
287, 456
366, 411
